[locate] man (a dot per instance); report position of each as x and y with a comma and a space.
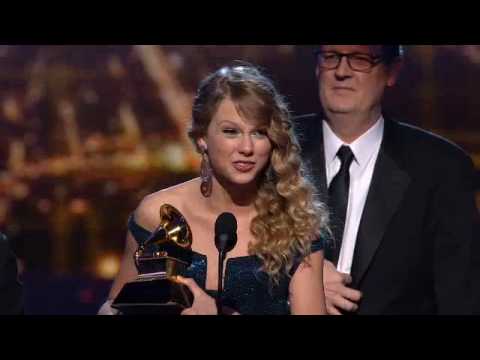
401, 199
10, 288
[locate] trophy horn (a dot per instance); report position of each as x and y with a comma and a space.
171, 241
173, 229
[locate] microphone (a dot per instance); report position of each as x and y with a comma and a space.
225, 240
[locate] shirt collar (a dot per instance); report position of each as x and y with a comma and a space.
363, 148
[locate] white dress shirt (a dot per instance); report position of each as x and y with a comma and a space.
365, 149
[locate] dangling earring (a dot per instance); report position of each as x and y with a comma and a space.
206, 175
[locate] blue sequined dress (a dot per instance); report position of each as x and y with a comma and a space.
246, 287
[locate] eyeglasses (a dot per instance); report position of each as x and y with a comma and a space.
356, 61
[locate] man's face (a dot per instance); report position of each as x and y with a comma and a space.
347, 91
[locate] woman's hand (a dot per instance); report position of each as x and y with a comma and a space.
203, 304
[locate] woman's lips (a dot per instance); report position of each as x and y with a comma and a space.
243, 166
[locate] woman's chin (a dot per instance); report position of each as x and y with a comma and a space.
242, 180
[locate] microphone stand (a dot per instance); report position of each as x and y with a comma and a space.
225, 240
221, 260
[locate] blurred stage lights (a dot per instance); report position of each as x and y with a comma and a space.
108, 266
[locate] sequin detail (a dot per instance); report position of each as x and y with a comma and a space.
246, 287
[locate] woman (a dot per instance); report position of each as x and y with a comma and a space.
251, 168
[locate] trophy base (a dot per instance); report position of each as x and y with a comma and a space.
155, 296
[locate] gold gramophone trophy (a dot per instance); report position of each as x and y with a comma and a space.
159, 259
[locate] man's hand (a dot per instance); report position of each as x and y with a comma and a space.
339, 297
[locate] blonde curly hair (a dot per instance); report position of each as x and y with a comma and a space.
289, 215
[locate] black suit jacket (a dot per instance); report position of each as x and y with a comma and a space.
415, 250
10, 288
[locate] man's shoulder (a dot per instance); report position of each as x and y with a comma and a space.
11, 302
4, 248
428, 138
305, 121
308, 128
419, 139
307, 117
6, 256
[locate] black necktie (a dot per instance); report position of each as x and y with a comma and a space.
338, 198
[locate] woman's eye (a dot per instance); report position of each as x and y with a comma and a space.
260, 133
230, 131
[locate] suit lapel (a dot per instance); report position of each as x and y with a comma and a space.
387, 188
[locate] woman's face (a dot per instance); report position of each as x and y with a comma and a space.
238, 149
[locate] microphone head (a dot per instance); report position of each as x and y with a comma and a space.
225, 232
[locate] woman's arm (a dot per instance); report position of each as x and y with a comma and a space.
128, 271
146, 215
307, 296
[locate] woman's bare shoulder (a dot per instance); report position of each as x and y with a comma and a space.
147, 213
